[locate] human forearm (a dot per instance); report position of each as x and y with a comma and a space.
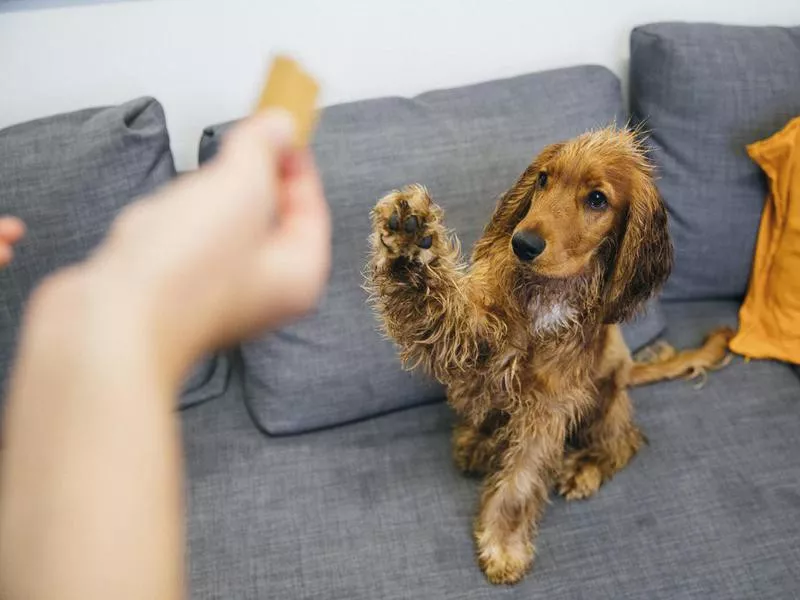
90, 487
90, 430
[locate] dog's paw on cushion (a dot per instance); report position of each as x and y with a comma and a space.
770, 316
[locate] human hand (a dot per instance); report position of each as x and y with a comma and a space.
12, 231
239, 246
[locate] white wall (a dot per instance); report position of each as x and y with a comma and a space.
205, 59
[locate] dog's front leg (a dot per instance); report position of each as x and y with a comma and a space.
514, 498
418, 287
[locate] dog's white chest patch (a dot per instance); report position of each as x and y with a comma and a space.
552, 317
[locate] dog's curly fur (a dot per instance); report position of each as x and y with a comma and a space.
534, 363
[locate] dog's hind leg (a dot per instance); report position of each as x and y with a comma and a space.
477, 450
603, 445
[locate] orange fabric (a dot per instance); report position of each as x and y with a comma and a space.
770, 316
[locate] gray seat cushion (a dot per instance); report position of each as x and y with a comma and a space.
705, 92
468, 145
376, 510
67, 177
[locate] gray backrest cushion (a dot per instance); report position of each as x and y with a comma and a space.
67, 177
705, 92
468, 145
644, 327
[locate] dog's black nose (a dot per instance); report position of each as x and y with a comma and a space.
527, 245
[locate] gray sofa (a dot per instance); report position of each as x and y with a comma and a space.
318, 468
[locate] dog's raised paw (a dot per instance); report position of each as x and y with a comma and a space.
406, 223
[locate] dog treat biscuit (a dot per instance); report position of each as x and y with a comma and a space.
291, 88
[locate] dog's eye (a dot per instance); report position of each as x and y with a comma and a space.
541, 180
597, 200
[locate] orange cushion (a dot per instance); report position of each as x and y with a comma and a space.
770, 316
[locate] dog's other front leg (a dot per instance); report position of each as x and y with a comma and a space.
418, 287
514, 498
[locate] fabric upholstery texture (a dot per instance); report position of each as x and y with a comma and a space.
376, 510
770, 317
644, 327
67, 177
467, 145
705, 92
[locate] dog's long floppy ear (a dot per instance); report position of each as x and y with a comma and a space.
644, 257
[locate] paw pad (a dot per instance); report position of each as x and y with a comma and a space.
405, 223
411, 224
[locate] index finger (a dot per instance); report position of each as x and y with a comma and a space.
12, 229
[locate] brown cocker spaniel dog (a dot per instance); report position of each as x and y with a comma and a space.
526, 339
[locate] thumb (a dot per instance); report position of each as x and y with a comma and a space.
261, 136
252, 151
297, 256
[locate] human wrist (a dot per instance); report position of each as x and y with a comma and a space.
144, 308
108, 325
